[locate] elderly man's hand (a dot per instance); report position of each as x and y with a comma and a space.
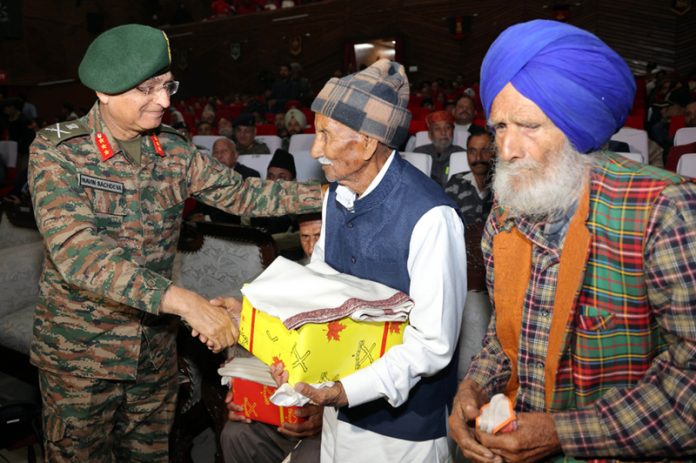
311, 427
466, 407
232, 306
333, 396
534, 440
210, 323
234, 411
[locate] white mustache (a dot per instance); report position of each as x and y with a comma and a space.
324, 161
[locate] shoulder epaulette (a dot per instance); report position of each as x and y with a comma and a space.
63, 131
164, 128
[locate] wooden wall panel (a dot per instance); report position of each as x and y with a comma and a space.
55, 38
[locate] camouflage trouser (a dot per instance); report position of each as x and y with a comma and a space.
95, 420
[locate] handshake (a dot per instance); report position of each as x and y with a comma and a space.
214, 322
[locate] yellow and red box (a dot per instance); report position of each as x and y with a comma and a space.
316, 352
255, 400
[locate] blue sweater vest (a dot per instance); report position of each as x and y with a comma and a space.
373, 243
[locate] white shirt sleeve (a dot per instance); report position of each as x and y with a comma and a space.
437, 268
320, 245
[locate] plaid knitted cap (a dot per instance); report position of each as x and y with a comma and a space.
372, 101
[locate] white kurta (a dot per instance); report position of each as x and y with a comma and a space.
437, 270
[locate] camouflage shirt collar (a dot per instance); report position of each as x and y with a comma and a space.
98, 129
96, 125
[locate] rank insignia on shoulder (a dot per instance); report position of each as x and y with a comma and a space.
157, 145
62, 131
105, 149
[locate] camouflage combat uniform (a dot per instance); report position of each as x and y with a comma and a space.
256, 147
110, 230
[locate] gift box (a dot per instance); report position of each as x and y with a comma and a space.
254, 398
252, 387
316, 352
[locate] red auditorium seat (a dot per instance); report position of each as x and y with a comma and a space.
266, 129
420, 113
480, 122
309, 114
635, 121
417, 125
293, 104
235, 110
676, 123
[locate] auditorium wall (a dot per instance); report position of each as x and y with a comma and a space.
441, 38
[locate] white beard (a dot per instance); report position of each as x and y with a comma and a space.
535, 190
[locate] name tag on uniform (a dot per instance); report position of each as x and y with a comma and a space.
100, 184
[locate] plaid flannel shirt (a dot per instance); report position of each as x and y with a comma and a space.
653, 414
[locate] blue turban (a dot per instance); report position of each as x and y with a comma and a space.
580, 83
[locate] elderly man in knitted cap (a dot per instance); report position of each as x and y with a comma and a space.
440, 131
386, 221
108, 192
590, 262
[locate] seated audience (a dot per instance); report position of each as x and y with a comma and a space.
204, 128
472, 193
690, 114
283, 90
301, 84
245, 135
472, 190
678, 151
440, 130
281, 130
224, 127
295, 122
281, 167
673, 105
464, 113
225, 151
310, 231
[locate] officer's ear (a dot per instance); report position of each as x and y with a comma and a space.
103, 97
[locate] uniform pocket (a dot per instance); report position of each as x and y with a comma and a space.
108, 203
109, 209
55, 428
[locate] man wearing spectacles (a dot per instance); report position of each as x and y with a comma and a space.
108, 192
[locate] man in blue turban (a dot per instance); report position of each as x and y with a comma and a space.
591, 264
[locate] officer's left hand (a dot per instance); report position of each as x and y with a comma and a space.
534, 440
334, 396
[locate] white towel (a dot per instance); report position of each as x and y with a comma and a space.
317, 293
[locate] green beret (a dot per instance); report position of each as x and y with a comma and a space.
122, 57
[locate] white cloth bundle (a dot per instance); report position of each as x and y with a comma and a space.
497, 416
317, 293
253, 369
